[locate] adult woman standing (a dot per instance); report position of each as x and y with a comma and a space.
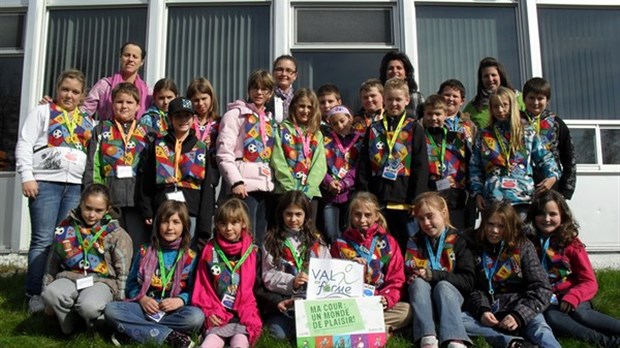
99, 99
491, 76
397, 64
51, 157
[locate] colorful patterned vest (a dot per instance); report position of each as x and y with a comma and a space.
378, 147
156, 285
253, 148
210, 138
547, 129
223, 281
495, 160
60, 135
417, 256
292, 146
508, 272
377, 267
555, 263
286, 263
113, 148
455, 158
67, 246
339, 163
158, 120
192, 165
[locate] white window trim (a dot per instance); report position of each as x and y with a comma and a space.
599, 166
96, 3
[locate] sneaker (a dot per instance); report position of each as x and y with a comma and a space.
36, 304
429, 342
454, 344
179, 340
118, 339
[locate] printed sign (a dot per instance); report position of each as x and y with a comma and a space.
334, 278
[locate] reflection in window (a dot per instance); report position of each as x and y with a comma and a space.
584, 141
580, 49
344, 25
12, 30
610, 142
346, 69
90, 40
453, 39
222, 43
10, 92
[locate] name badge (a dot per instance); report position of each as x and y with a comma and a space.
175, 196
390, 173
84, 283
509, 183
442, 184
369, 290
342, 173
156, 317
264, 170
123, 172
228, 301
554, 299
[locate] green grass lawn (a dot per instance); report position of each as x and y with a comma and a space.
18, 329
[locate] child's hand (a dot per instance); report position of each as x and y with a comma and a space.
480, 202
240, 191
546, 184
30, 189
425, 274
45, 100
148, 221
509, 323
300, 279
334, 187
149, 305
488, 319
285, 304
384, 302
214, 320
359, 260
566, 307
170, 304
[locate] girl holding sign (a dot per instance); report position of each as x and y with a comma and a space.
175, 169
440, 271
286, 253
368, 242
115, 151
158, 285
225, 278
89, 261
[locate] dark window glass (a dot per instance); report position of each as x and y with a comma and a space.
344, 25
610, 142
12, 30
584, 140
10, 96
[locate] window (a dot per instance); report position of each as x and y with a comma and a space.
453, 39
346, 69
90, 40
11, 67
610, 142
344, 25
222, 43
584, 142
580, 49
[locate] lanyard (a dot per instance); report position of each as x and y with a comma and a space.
297, 256
202, 136
262, 128
435, 259
534, 122
505, 152
490, 272
345, 150
392, 140
544, 242
305, 143
232, 269
178, 147
86, 246
70, 122
166, 276
163, 118
442, 150
453, 123
126, 137
366, 254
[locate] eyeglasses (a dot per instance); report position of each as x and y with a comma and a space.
286, 70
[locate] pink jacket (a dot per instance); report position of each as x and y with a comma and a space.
99, 99
230, 151
581, 284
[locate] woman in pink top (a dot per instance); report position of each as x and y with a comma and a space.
99, 99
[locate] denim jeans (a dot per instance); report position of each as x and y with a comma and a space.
446, 301
282, 327
259, 209
47, 210
130, 319
335, 218
537, 331
585, 324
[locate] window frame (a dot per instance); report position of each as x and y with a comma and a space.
599, 166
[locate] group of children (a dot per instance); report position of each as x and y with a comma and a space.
342, 186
